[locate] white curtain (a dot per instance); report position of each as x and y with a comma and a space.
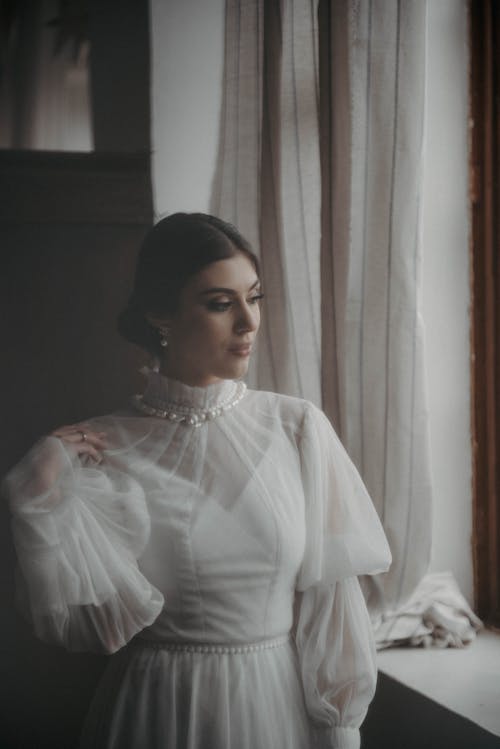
268, 180
377, 394
320, 165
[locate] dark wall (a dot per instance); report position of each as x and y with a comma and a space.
70, 228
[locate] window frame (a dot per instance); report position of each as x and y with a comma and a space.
484, 26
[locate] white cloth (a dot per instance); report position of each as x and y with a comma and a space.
436, 615
188, 550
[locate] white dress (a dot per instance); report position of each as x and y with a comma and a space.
217, 563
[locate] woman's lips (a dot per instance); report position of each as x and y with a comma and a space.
242, 351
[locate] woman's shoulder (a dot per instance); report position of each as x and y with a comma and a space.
118, 416
289, 409
126, 428
274, 399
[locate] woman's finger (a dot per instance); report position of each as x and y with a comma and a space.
89, 452
82, 440
91, 438
80, 433
85, 450
72, 428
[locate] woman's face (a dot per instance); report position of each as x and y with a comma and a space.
213, 331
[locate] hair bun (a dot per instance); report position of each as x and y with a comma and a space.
135, 328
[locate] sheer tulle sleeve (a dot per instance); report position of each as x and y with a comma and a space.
344, 538
78, 530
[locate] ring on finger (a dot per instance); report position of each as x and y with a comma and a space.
84, 435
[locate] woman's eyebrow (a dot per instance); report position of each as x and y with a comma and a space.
223, 290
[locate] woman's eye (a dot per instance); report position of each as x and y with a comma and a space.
255, 299
218, 306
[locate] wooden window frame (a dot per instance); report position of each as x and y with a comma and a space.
484, 24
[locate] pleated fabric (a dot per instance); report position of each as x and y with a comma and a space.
268, 180
373, 56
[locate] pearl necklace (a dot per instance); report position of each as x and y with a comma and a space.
187, 414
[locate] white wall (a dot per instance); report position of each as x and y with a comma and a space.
188, 39
187, 63
445, 288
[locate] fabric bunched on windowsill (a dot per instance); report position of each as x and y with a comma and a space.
436, 615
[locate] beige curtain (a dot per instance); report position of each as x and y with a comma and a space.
373, 56
340, 243
268, 179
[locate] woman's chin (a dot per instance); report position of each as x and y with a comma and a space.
237, 369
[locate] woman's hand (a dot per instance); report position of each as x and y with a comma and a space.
82, 441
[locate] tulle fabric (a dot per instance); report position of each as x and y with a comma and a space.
247, 700
337, 661
249, 528
78, 531
344, 534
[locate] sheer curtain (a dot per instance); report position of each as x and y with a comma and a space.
320, 164
374, 54
44, 78
268, 179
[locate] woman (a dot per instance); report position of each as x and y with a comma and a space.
209, 536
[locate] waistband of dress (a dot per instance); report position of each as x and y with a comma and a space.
213, 647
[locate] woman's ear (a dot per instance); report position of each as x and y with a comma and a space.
162, 326
158, 322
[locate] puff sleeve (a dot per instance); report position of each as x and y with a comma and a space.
344, 539
78, 531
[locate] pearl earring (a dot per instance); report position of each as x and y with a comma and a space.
163, 332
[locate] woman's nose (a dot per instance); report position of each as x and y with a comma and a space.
248, 319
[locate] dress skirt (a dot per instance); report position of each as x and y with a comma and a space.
181, 696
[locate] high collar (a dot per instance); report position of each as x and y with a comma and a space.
162, 390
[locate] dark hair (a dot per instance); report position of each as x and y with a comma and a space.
173, 251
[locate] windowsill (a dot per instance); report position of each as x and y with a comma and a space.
466, 681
